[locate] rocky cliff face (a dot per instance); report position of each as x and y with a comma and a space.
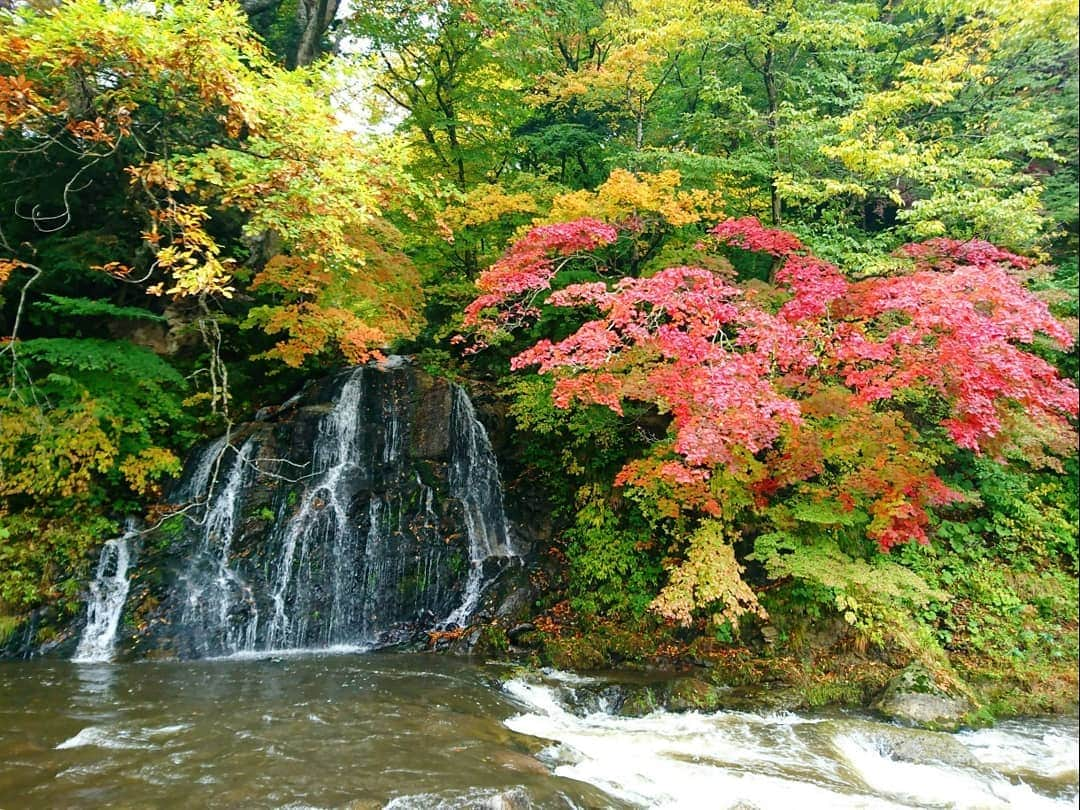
366, 511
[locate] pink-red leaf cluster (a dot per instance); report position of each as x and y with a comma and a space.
781, 375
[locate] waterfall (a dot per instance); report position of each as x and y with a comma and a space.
218, 602
108, 590
322, 517
204, 472
474, 480
370, 513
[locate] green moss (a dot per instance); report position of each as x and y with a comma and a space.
457, 563
493, 640
693, 694
572, 653
414, 586
834, 693
8, 626
45, 634
428, 477
169, 531
639, 702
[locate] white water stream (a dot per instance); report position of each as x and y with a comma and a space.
780, 761
475, 482
335, 730
108, 590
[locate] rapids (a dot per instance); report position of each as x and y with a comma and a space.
338, 729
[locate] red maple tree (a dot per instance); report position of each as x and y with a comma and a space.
807, 382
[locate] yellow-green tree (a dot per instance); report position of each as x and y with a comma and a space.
178, 204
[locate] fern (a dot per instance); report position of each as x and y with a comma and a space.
878, 597
90, 308
827, 512
117, 357
823, 562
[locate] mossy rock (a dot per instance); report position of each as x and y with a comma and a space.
639, 701
693, 695
915, 698
573, 653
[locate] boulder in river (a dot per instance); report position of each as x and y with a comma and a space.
915, 698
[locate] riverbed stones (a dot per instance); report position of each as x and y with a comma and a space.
901, 744
915, 698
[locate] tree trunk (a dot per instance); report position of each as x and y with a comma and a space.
314, 18
769, 76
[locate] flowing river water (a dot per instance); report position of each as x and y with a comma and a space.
374, 730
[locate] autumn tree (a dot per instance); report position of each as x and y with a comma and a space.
437, 64
808, 400
178, 206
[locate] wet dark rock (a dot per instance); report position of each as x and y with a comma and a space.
431, 438
516, 632
639, 700
467, 643
365, 510
912, 745
43, 632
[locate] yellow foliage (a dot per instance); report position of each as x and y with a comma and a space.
709, 576
268, 153
625, 194
7, 267
313, 329
52, 454
143, 471
483, 205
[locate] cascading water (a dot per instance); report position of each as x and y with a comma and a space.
321, 518
108, 591
394, 523
474, 480
734, 759
218, 603
204, 470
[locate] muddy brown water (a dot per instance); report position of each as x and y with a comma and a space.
395, 730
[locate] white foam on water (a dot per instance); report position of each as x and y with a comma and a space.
936, 784
1051, 753
120, 738
294, 652
765, 761
515, 798
681, 760
571, 678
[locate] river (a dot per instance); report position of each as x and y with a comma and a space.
374, 730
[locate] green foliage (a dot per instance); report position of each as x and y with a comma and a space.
1009, 559
8, 626
137, 396
592, 441
163, 163
93, 308
48, 558
613, 566
876, 596
92, 357
89, 437
224, 184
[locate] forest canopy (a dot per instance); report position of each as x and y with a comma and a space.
779, 296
